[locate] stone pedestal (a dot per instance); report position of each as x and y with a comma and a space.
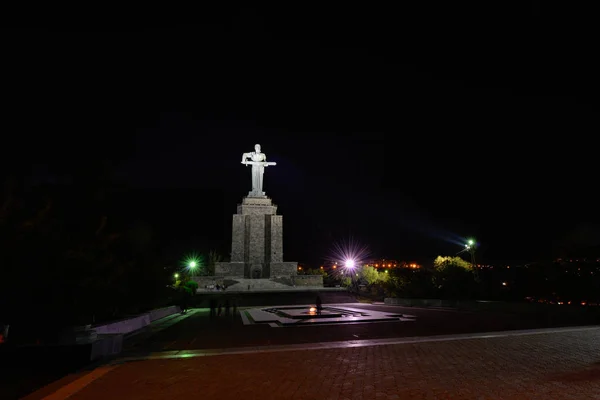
256, 242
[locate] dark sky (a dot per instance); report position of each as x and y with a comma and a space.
406, 130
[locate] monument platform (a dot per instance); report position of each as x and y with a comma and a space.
237, 284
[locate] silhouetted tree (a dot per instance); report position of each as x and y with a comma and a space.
410, 283
212, 260
79, 265
454, 279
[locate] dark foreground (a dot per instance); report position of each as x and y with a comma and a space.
199, 331
557, 365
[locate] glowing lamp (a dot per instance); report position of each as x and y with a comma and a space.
350, 263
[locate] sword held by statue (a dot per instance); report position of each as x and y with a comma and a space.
259, 163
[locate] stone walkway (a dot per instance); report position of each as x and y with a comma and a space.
558, 365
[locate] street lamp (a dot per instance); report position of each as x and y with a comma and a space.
349, 265
470, 247
192, 265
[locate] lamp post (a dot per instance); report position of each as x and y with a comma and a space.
192, 265
349, 265
470, 247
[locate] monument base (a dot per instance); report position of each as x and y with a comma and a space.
230, 269
256, 271
236, 284
280, 269
260, 195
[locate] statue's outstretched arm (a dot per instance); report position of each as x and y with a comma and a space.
245, 156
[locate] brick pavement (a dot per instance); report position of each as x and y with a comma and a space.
549, 366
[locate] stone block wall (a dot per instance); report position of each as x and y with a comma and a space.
283, 269
275, 238
229, 269
256, 242
308, 280
238, 239
256, 206
256, 239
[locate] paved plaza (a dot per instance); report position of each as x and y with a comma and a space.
440, 354
553, 365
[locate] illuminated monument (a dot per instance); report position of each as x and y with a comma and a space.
257, 234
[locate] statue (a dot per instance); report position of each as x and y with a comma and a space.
259, 162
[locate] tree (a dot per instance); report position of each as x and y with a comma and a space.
410, 283
454, 278
314, 271
81, 266
191, 286
371, 276
213, 259
442, 262
346, 281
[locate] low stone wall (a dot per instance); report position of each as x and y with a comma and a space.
284, 280
482, 305
106, 346
204, 281
163, 312
138, 322
308, 280
523, 307
419, 302
124, 326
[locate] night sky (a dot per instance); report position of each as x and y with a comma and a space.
406, 136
